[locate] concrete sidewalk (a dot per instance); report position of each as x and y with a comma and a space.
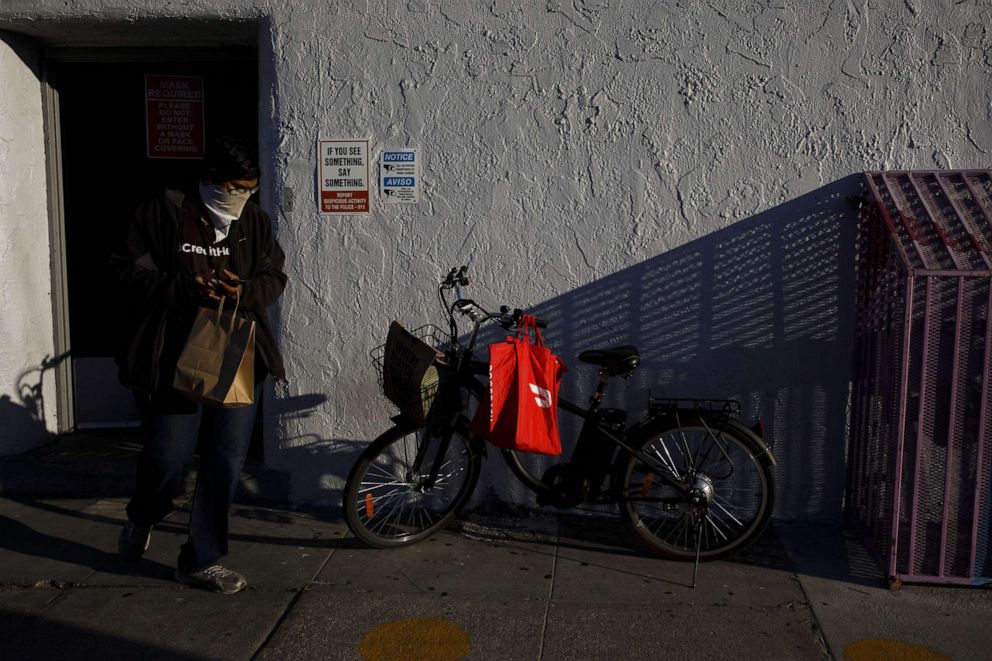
541, 587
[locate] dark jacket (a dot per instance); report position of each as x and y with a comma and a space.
163, 296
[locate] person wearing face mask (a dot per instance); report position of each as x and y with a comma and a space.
183, 251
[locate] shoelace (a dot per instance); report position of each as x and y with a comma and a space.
216, 571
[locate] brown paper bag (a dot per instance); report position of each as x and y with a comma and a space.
217, 365
409, 377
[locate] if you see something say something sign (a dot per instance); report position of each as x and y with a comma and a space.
344, 176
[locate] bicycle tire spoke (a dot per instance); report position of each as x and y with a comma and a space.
380, 485
390, 494
382, 500
384, 473
403, 506
719, 464
392, 514
387, 505
670, 463
716, 528
728, 512
675, 528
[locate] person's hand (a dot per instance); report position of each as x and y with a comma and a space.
205, 288
229, 284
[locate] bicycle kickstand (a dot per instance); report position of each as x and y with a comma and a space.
699, 538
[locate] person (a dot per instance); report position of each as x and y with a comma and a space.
183, 251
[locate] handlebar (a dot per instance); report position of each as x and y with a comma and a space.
517, 314
456, 278
507, 318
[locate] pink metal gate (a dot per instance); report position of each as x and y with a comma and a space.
921, 416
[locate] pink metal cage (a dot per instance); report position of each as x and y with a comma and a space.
921, 414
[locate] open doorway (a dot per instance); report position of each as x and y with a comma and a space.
116, 152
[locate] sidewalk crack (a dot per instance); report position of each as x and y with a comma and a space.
299, 592
551, 596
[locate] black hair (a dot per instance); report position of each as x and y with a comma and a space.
228, 158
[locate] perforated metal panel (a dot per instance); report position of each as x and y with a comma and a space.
919, 455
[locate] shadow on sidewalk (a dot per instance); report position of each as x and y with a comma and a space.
24, 636
21, 538
823, 549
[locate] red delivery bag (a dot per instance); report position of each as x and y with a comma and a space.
522, 408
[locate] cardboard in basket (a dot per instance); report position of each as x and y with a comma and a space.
409, 376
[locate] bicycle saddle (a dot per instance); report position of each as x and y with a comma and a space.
617, 360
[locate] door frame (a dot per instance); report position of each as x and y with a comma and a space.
52, 57
65, 392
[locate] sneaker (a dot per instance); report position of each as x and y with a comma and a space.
214, 578
134, 541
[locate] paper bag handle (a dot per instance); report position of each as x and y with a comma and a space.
220, 309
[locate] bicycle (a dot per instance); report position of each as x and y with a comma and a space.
690, 479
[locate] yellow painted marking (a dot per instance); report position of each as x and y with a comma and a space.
890, 650
647, 484
420, 639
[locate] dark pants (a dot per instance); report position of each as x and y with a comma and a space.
170, 440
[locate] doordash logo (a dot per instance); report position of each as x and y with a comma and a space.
543, 397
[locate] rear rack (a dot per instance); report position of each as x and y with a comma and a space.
662, 405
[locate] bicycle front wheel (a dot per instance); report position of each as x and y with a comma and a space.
390, 500
726, 497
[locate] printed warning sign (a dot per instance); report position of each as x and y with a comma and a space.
399, 176
174, 116
344, 176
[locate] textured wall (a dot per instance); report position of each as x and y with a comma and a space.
672, 176
27, 389
668, 174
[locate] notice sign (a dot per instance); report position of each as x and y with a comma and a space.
344, 176
174, 116
399, 177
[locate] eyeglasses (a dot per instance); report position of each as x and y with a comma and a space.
241, 191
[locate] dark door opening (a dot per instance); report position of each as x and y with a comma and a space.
106, 174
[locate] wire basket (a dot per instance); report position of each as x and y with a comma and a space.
425, 397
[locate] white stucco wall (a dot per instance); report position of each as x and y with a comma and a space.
673, 176
27, 391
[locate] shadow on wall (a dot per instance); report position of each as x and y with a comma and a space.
317, 465
761, 312
23, 422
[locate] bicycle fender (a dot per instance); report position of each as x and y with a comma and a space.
758, 429
763, 452
766, 453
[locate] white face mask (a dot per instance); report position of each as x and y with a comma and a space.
223, 207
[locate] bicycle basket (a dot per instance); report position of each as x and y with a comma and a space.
411, 369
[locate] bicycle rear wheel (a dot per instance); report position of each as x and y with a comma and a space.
389, 501
731, 490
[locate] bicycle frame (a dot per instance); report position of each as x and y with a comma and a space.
703, 475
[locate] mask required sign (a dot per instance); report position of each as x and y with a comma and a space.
399, 176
